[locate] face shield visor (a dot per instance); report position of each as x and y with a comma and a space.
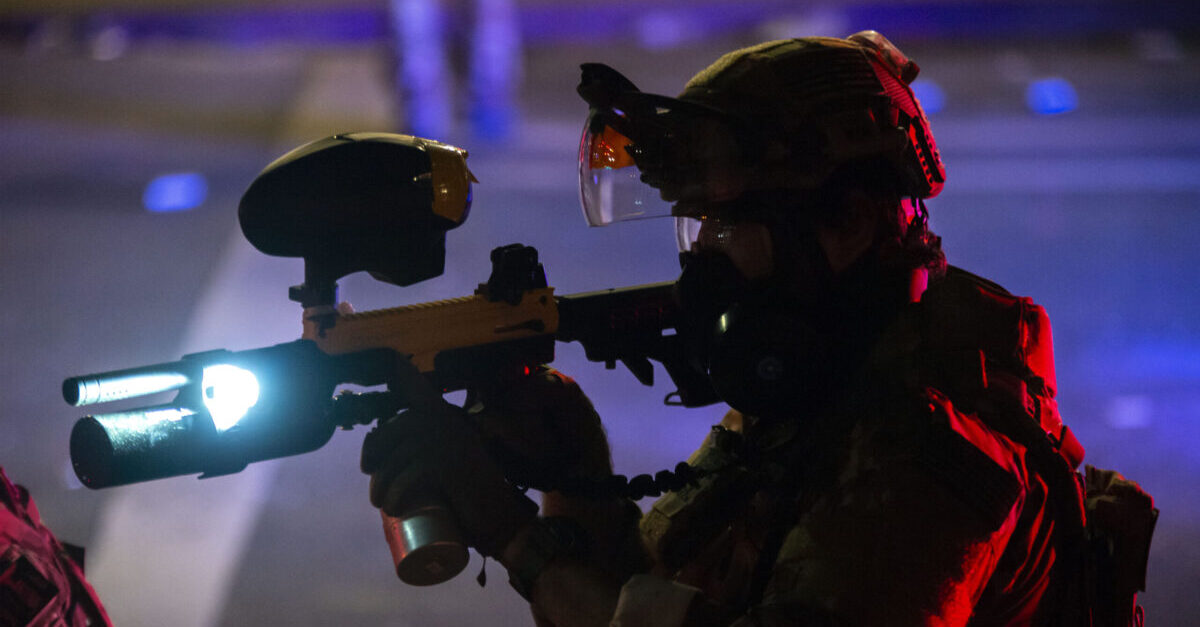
643, 156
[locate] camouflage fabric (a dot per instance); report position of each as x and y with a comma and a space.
40, 584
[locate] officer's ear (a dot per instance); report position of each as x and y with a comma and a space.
853, 233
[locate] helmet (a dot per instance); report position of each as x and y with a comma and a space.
782, 115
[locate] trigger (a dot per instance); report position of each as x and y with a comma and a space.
641, 368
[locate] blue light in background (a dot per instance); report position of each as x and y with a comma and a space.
495, 69
178, 191
932, 98
662, 30
424, 72
1051, 96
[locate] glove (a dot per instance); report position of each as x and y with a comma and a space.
545, 433
541, 428
433, 452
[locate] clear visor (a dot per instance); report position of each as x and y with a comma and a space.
675, 161
610, 185
687, 231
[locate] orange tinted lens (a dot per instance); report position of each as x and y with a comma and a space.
607, 150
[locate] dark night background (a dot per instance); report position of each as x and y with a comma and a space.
1070, 132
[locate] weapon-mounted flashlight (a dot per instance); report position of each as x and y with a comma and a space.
231, 408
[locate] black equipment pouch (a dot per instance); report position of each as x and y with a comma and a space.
1120, 523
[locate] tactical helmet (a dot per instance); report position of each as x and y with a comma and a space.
781, 115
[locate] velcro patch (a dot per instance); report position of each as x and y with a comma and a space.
971, 475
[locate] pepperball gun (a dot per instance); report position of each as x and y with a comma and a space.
380, 203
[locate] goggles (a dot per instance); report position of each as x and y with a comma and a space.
641, 155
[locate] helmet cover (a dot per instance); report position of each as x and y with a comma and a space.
781, 115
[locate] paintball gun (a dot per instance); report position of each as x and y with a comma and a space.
380, 203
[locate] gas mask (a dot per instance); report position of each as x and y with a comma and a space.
765, 345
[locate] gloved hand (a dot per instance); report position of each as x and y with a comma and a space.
433, 452
545, 433
541, 428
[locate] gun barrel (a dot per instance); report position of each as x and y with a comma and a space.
138, 445
116, 385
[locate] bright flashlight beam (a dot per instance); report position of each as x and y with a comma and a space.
228, 392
